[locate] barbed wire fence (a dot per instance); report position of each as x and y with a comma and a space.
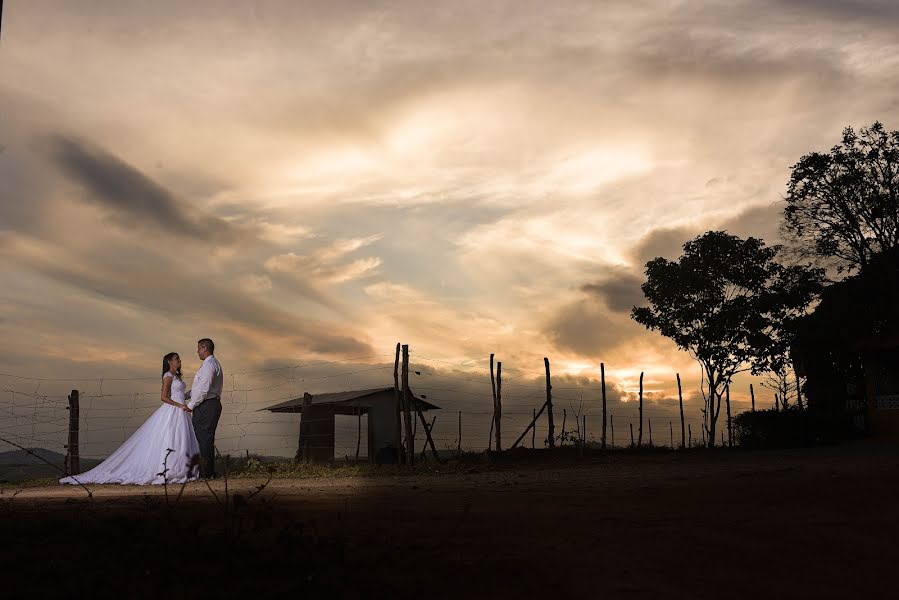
34, 413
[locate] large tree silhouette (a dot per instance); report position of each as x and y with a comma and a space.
724, 301
843, 206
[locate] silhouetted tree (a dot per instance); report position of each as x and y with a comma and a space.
723, 302
843, 206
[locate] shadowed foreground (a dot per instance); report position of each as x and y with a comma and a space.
680, 525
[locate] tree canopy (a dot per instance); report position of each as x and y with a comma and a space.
725, 302
843, 206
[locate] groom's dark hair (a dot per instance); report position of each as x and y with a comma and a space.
208, 344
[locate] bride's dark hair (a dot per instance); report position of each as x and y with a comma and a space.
165, 364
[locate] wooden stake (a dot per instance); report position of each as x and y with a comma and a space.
499, 406
671, 431
407, 409
602, 377
612, 423
640, 434
690, 432
680, 398
564, 418
580, 448
533, 430
400, 455
493, 418
650, 431
73, 458
752, 395
632, 433
428, 429
459, 443
551, 434
531, 425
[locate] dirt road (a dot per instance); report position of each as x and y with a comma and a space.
800, 523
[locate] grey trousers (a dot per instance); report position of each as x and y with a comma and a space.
206, 419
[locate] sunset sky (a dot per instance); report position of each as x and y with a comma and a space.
316, 181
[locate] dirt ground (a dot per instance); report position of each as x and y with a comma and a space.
799, 523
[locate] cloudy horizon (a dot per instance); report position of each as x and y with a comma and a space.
316, 181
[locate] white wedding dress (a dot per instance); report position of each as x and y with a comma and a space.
140, 459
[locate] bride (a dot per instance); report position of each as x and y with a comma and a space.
140, 459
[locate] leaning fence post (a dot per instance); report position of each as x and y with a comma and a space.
73, 461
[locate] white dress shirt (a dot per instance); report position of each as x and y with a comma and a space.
207, 382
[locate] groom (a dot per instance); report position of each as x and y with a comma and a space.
206, 403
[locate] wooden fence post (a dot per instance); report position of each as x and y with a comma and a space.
752, 394
650, 431
534, 431
690, 431
400, 454
459, 443
632, 433
564, 418
551, 434
583, 440
671, 431
73, 459
499, 406
493, 418
680, 397
602, 377
407, 409
612, 423
640, 433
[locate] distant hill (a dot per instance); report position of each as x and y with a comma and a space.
18, 465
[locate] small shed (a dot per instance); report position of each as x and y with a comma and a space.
316, 439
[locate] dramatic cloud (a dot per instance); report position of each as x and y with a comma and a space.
132, 199
317, 181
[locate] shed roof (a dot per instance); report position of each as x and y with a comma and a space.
360, 398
